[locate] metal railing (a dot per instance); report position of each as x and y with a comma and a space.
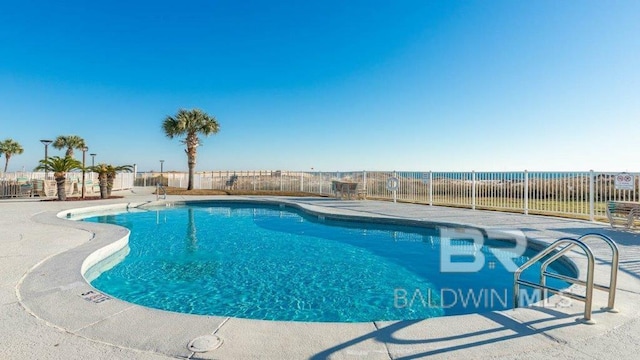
563, 246
10, 188
575, 194
159, 189
10, 181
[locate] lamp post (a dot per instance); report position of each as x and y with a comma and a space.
161, 172
46, 155
93, 163
84, 154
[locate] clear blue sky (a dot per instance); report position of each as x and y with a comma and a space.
329, 85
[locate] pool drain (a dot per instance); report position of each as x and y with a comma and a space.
204, 343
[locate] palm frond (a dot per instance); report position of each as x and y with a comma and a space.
10, 147
59, 164
69, 142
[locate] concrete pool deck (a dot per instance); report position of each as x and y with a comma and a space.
44, 314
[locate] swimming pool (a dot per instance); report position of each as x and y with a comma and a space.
272, 262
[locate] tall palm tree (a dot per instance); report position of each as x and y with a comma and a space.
69, 142
60, 167
190, 123
9, 147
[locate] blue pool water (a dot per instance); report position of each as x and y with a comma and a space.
275, 263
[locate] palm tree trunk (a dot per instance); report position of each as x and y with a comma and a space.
192, 167
6, 161
104, 194
110, 180
62, 193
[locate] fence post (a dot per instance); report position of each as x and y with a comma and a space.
395, 192
302, 181
526, 192
592, 196
430, 188
364, 181
473, 190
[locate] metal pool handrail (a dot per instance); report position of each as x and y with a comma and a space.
613, 277
164, 191
587, 298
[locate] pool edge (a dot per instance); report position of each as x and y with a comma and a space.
247, 324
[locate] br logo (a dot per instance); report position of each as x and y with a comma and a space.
461, 249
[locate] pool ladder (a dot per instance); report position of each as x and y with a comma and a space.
164, 191
564, 245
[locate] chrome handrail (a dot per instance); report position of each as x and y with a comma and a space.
567, 242
164, 191
613, 277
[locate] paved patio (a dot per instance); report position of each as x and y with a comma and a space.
45, 317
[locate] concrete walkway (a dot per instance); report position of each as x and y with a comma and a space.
44, 316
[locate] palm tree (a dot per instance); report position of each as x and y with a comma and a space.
111, 175
60, 167
70, 142
106, 175
102, 170
190, 123
10, 147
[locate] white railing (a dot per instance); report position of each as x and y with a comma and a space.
577, 194
9, 182
265, 180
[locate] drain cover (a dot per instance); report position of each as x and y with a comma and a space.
204, 343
